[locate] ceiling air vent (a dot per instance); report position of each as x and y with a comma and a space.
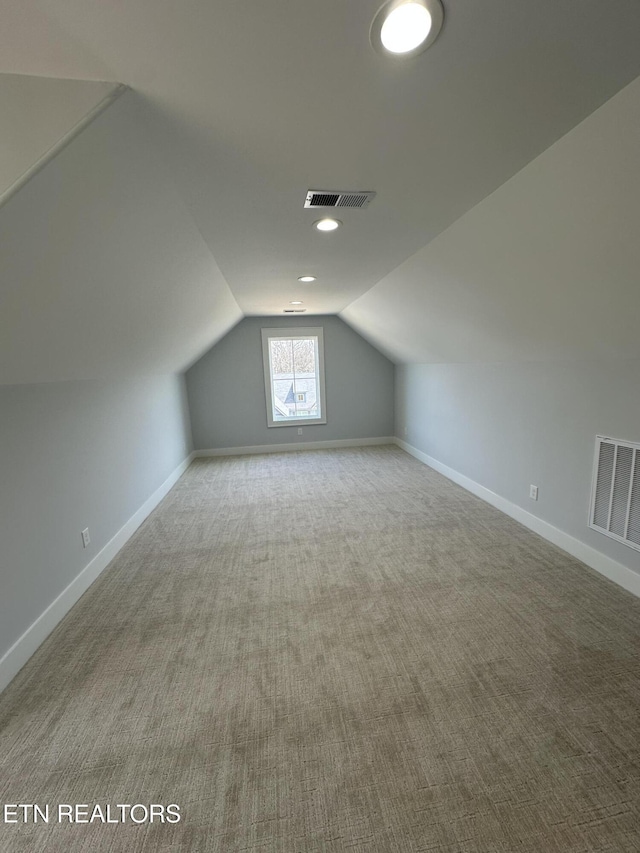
615, 492
294, 310
338, 198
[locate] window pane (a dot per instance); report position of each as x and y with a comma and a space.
281, 357
305, 396
304, 356
282, 397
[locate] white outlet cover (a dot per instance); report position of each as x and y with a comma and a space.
86, 539
533, 492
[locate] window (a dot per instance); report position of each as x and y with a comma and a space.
294, 376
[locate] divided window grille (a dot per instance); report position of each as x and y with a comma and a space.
615, 493
293, 361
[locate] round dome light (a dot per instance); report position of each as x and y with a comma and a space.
406, 27
327, 224
307, 278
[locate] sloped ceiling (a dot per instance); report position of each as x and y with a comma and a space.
247, 105
103, 270
37, 112
546, 268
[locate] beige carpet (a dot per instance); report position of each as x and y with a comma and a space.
334, 651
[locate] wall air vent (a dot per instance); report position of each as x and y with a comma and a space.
615, 491
338, 198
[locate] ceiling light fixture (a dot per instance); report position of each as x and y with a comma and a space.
307, 278
327, 224
297, 302
405, 28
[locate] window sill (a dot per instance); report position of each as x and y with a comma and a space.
298, 422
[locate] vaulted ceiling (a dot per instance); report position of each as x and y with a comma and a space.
181, 207
37, 113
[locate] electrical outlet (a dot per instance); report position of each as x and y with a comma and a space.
405, 432
86, 539
299, 430
533, 493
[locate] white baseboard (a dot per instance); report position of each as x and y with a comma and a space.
611, 569
20, 652
294, 445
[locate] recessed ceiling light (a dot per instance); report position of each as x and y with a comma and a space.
307, 278
297, 302
406, 27
327, 224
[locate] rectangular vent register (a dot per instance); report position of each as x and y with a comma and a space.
338, 198
615, 491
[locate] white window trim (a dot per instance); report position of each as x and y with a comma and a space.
293, 333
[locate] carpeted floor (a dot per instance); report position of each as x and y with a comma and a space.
333, 651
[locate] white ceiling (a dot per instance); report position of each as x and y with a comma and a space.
545, 268
102, 269
252, 103
37, 112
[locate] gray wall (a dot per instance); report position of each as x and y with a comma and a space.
227, 397
507, 426
76, 455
